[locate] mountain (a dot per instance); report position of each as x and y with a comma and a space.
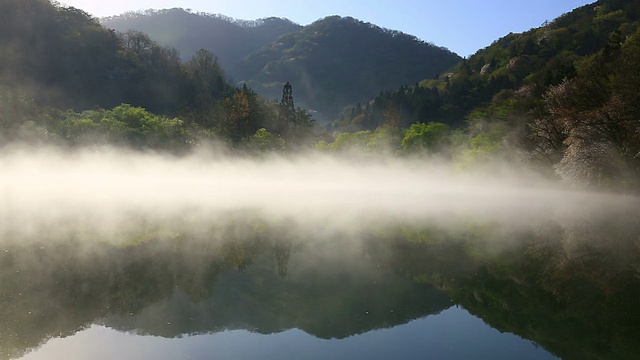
487, 83
187, 32
331, 63
562, 97
337, 61
56, 58
57, 55
62, 57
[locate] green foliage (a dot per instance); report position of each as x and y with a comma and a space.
188, 32
124, 125
155, 79
349, 141
207, 80
21, 119
234, 125
523, 66
263, 141
338, 61
61, 57
77, 64
383, 141
61, 52
421, 138
294, 124
483, 145
574, 80
75, 130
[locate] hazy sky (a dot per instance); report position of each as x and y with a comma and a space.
463, 26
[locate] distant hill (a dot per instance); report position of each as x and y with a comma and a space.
331, 63
562, 97
336, 61
58, 57
509, 76
230, 40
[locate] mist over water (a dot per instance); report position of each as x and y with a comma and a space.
168, 246
109, 189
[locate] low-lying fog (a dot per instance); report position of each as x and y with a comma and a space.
106, 189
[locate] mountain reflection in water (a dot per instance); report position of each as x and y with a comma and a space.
571, 286
439, 336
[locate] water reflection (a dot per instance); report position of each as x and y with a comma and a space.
571, 286
452, 334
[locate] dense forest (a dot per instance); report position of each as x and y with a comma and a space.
334, 61
231, 40
66, 79
561, 97
337, 61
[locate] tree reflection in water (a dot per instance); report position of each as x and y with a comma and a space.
570, 286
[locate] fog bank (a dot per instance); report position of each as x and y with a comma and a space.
108, 189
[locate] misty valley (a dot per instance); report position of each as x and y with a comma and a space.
183, 185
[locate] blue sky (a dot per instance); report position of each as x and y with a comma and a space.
463, 26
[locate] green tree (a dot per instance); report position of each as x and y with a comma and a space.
156, 78
481, 146
235, 123
124, 125
287, 109
294, 124
207, 78
420, 138
383, 141
264, 141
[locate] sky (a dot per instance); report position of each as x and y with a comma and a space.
462, 26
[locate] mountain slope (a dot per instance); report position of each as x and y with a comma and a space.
57, 55
562, 97
230, 40
336, 61
495, 80
62, 57
331, 63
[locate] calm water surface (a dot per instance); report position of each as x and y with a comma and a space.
256, 289
451, 334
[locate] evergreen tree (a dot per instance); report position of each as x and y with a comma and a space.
287, 99
287, 109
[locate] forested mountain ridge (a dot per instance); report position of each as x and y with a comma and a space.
43, 48
336, 61
562, 97
60, 72
333, 62
229, 39
532, 61
62, 57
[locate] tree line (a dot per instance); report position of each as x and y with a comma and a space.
64, 78
567, 105
560, 98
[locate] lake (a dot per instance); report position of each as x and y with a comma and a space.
247, 286
118, 255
